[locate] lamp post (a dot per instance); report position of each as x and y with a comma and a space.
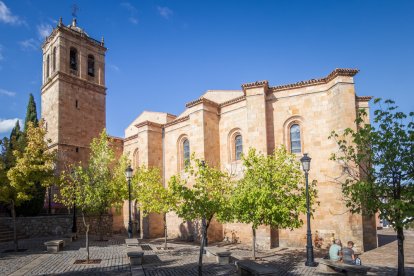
128, 174
305, 160
74, 224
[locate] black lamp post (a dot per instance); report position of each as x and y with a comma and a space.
128, 174
305, 160
74, 224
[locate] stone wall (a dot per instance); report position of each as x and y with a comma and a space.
42, 226
105, 227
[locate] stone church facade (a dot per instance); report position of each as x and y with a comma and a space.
217, 127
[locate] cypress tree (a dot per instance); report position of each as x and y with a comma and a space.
31, 113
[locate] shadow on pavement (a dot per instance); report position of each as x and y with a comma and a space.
386, 239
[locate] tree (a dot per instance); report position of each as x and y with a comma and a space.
200, 196
31, 113
35, 204
151, 195
97, 186
271, 192
379, 167
34, 165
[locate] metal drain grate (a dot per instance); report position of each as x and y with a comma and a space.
146, 247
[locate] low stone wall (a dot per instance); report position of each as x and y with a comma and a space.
94, 228
41, 226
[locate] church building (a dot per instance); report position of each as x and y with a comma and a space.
218, 127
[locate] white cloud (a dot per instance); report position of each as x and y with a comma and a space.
7, 17
44, 30
7, 93
29, 44
132, 12
114, 67
165, 12
7, 125
133, 20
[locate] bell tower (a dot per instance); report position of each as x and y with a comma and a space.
73, 91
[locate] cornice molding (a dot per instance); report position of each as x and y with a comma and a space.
179, 120
256, 84
65, 29
363, 98
335, 73
148, 123
131, 138
59, 75
233, 101
203, 101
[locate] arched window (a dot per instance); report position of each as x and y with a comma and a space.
238, 146
295, 143
73, 59
91, 66
186, 152
54, 59
47, 66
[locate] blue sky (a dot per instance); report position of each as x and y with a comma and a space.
162, 54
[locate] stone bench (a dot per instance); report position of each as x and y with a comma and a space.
329, 266
135, 257
222, 256
54, 246
131, 242
246, 267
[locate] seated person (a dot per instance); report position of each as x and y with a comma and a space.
348, 255
335, 251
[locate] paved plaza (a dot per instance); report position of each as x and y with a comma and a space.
181, 260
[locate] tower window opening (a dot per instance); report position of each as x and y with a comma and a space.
73, 59
77, 149
54, 59
91, 65
76, 104
47, 66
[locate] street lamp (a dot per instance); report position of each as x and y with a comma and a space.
74, 224
305, 160
128, 174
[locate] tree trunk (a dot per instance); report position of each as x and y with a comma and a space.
13, 211
400, 239
254, 243
165, 231
86, 236
200, 258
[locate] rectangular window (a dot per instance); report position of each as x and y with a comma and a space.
77, 104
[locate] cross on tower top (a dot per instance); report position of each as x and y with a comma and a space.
75, 9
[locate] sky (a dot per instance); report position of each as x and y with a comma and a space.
163, 54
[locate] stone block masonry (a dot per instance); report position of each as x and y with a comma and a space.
42, 226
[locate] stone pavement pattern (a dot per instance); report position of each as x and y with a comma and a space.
182, 260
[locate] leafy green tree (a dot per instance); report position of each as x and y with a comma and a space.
271, 192
205, 193
97, 186
33, 206
34, 165
379, 165
151, 195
